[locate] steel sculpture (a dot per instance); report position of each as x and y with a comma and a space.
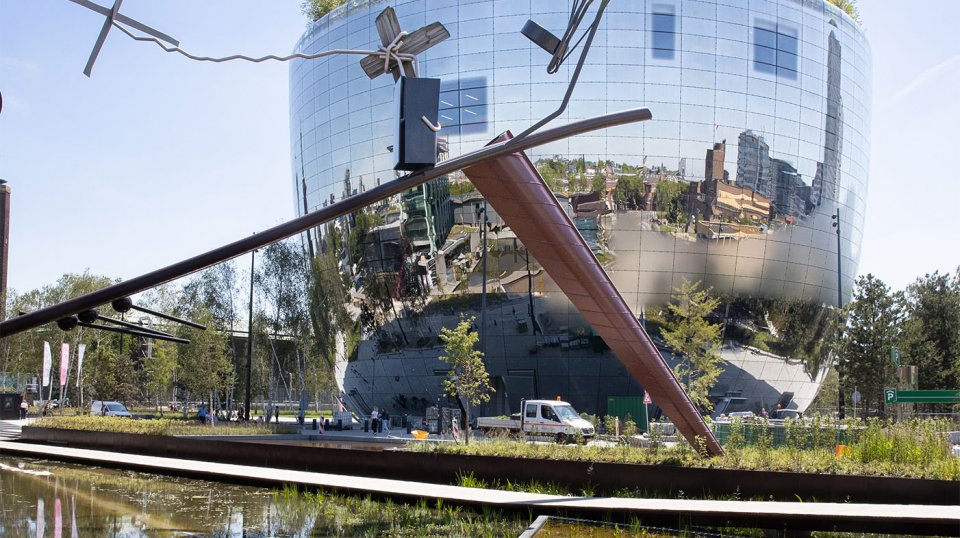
280, 232
512, 185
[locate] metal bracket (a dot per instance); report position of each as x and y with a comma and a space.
435, 128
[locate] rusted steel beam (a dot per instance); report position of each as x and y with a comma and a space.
310, 220
522, 199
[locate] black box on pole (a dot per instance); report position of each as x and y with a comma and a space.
415, 143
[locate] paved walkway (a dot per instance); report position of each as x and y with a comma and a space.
10, 429
944, 519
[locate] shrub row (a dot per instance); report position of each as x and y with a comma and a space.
151, 427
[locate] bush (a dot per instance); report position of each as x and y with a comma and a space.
610, 425
628, 427
150, 427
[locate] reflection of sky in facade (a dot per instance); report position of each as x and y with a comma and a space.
787, 80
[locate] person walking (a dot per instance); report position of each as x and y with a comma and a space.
276, 413
374, 417
385, 422
23, 409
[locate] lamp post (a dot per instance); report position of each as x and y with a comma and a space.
483, 285
841, 409
246, 401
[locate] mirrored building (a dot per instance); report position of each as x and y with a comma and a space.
759, 138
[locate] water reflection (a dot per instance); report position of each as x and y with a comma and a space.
46, 499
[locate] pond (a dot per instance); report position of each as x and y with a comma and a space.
40, 498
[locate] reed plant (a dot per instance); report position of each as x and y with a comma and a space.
319, 513
916, 448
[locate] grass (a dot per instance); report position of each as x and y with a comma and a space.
151, 427
915, 448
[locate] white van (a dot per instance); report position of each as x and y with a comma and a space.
109, 409
541, 418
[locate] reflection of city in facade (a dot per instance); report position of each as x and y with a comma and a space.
758, 137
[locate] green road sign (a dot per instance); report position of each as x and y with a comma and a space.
891, 395
895, 355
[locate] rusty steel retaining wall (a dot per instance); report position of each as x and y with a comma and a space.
602, 478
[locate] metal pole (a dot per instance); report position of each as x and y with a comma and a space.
483, 288
246, 401
841, 410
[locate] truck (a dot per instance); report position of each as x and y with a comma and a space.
544, 419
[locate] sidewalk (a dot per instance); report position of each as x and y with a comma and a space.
356, 434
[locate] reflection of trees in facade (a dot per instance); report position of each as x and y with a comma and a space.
793, 328
579, 175
689, 333
328, 293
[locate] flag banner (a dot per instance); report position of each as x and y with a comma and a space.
64, 362
81, 348
47, 364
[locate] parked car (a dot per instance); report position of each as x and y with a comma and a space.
787, 413
109, 409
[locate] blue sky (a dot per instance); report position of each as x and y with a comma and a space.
157, 158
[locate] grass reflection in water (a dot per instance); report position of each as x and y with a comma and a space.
43, 498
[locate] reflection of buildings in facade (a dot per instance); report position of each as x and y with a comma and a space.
753, 163
826, 181
751, 226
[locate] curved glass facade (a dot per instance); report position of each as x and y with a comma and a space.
760, 135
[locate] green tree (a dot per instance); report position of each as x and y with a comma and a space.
932, 330
203, 366
668, 200
873, 321
21, 353
629, 192
695, 340
318, 8
599, 184
218, 289
468, 378
554, 172
849, 7
160, 368
363, 222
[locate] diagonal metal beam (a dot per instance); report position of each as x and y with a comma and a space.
512, 185
141, 334
310, 220
119, 17
107, 23
113, 16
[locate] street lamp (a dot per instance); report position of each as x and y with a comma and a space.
483, 286
246, 401
841, 410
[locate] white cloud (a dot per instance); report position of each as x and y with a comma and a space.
926, 77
